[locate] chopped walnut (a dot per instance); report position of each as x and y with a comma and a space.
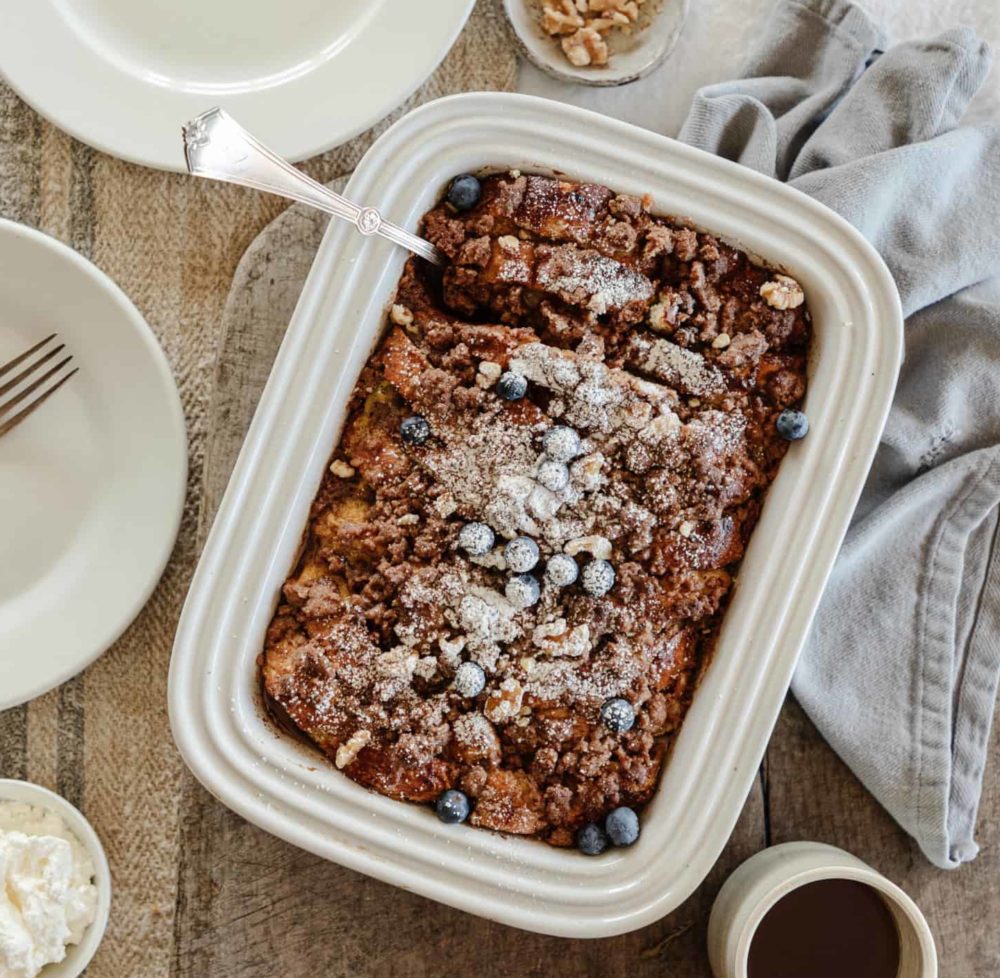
685, 244
598, 304
560, 17
341, 469
585, 47
494, 560
658, 318
547, 630
348, 751
783, 292
490, 370
400, 315
582, 24
597, 546
602, 24
445, 505
586, 471
451, 650
625, 8
625, 206
744, 350
505, 703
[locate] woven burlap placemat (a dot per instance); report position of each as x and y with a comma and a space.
173, 244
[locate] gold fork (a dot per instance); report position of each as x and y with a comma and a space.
30, 376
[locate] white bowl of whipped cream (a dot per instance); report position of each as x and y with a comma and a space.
55, 884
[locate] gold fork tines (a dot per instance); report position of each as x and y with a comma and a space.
34, 380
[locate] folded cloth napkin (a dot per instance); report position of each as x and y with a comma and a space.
900, 671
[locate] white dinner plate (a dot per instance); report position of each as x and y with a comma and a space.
304, 75
92, 483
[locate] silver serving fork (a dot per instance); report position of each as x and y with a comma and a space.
216, 146
34, 378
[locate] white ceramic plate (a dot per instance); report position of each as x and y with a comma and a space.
281, 785
92, 483
77, 955
304, 75
632, 56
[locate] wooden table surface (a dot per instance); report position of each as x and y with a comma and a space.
251, 906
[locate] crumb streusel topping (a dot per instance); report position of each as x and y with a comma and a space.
588, 392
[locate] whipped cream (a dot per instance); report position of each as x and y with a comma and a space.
47, 895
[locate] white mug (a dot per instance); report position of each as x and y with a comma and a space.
765, 878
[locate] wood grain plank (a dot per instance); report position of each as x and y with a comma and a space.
253, 906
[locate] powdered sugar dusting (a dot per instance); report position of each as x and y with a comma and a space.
596, 398
589, 278
490, 471
684, 369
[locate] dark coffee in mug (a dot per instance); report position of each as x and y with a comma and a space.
827, 929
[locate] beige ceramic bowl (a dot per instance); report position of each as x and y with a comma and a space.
771, 874
633, 56
77, 955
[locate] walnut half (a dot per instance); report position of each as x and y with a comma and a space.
783, 292
348, 751
585, 47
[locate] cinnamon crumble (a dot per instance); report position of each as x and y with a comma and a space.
410, 645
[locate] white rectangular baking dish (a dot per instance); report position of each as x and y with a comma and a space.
215, 709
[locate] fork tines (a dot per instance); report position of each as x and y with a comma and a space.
26, 383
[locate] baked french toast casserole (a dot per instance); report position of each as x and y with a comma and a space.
518, 561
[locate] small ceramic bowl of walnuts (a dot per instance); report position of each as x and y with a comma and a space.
596, 42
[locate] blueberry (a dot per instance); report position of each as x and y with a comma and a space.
452, 806
521, 554
511, 386
591, 840
476, 539
561, 570
522, 591
617, 715
598, 578
415, 430
792, 425
464, 192
470, 680
622, 826
561, 443
553, 475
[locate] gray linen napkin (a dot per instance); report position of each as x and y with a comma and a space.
900, 671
